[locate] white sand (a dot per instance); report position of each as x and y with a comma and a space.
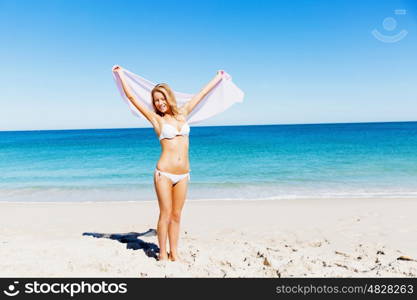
313, 238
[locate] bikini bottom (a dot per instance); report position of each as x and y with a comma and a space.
174, 177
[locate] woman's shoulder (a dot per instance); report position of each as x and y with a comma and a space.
181, 116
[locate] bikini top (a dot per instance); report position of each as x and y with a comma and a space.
168, 131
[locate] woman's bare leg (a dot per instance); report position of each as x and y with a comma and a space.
179, 193
163, 188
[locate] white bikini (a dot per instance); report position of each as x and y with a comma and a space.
169, 132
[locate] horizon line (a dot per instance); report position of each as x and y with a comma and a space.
274, 124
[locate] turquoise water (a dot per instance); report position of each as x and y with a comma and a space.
227, 162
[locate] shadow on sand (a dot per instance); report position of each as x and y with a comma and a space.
132, 240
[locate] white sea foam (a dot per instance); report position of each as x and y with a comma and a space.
142, 194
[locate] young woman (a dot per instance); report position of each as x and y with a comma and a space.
171, 175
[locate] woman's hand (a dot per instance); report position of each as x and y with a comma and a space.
219, 75
117, 68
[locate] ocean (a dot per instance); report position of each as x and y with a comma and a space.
352, 160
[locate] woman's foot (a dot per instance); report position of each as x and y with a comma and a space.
163, 257
173, 257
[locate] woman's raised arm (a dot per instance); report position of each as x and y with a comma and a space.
190, 105
151, 116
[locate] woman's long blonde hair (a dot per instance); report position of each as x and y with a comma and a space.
169, 96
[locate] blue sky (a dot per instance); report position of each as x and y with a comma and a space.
296, 61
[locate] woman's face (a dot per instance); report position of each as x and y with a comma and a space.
160, 102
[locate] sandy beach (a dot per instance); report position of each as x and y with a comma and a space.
285, 238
